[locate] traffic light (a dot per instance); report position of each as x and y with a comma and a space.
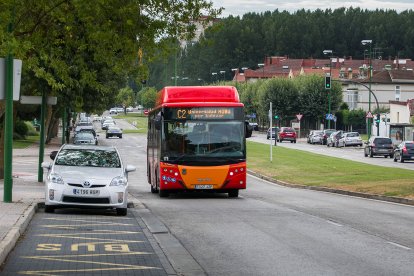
327, 82
377, 120
276, 117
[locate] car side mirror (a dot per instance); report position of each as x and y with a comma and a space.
46, 165
130, 168
53, 154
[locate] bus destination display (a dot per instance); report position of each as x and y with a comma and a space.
202, 113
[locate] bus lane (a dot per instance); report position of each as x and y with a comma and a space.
80, 242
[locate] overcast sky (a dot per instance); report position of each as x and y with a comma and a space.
240, 7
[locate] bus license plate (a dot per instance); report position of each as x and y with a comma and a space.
85, 192
203, 187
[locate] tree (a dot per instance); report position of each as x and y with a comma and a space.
82, 51
125, 97
148, 97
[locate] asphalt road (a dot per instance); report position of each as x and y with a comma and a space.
349, 153
274, 230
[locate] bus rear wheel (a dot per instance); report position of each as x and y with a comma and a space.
234, 193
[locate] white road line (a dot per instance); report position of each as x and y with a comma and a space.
399, 245
334, 223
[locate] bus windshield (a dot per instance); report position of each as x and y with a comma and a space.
221, 141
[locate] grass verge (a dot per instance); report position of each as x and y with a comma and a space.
140, 122
304, 168
24, 143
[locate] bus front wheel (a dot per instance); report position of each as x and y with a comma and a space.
234, 193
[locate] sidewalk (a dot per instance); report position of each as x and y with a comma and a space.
26, 194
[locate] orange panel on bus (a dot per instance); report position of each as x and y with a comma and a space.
197, 175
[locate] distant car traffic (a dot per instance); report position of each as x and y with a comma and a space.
113, 111
274, 133
84, 138
333, 139
325, 134
377, 145
107, 123
286, 134
404, 151
113, 131
350, 139
87, 176
315, 137
248, 129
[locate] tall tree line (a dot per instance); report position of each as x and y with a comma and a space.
236, 42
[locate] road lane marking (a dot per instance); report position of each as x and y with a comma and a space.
86, 238
334, 223
84, 220
52, 272
399, 245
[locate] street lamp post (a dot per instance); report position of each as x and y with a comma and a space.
325, 52
365, 42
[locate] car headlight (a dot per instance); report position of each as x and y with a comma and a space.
55, 178
118, 181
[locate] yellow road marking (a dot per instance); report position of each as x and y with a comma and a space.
84, 238
42, 273
65, 226
99, 232
103, 218
90, 255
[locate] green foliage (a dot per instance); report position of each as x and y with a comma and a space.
125, 97
148, 97
21, 128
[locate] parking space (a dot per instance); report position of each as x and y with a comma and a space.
83, 242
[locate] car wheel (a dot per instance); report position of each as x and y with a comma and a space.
291, 141
401, 159
107, 136
395, 158
294, 141
365, 154
234, 193
121, 211
281, 140
370, 154
163, 193
49, 209
267, 137
120, 137
391, 156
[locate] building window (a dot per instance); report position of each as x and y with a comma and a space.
397, 92
352, 98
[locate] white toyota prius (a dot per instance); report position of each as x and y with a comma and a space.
87, 176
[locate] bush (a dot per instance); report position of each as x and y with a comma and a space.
31, 129
21, 128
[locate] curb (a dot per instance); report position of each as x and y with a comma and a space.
11, 238
392, 199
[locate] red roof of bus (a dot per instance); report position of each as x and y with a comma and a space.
198, 96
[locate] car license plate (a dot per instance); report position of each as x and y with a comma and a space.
203, 187
85, 192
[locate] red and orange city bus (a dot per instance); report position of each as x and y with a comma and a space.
196, 141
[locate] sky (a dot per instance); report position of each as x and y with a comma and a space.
240, 7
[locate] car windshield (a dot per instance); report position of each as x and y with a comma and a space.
353, 134
88, 158
382, 141
288, 130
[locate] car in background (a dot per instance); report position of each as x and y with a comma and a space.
404, 151
286, 134
315, 137
129, 109
350, 139
113, 111
326, 133
84, 138
100, 181
113, 131
333, 139
248, 129
377, 145
274, 132
107, 124
97, 118
119, 109
255, 126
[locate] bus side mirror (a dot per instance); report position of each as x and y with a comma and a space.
157, 121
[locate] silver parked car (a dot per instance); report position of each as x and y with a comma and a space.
84, 138
316, 137
87, 176
350, 139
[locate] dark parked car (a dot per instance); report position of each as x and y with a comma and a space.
249, 129
404, 151
287, 134
379, 146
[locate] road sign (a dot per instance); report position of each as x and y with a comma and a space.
299, 116
17, 75
37, 100
369, 115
